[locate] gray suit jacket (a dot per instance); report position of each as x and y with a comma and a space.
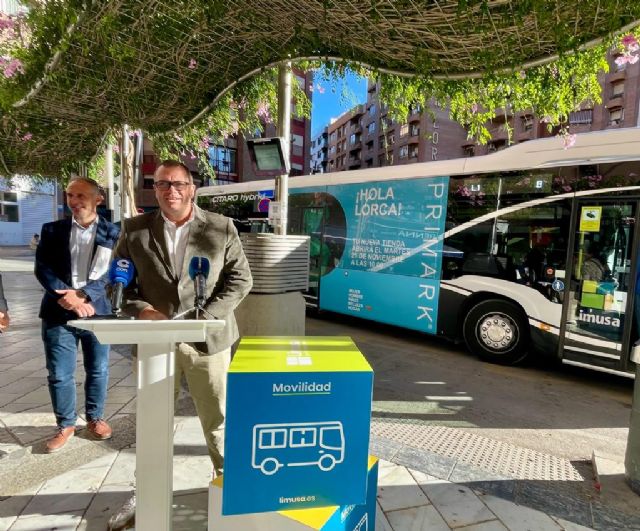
210, 235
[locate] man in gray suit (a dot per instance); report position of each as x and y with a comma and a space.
161, 244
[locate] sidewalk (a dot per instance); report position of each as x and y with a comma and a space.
430, 479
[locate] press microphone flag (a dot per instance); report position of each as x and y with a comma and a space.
121, 273
198, 272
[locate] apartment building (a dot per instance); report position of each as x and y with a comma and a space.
366, 137
319, 152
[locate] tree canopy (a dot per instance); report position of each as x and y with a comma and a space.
185, 70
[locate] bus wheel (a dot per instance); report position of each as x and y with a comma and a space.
269, 466
496, 330
326, 463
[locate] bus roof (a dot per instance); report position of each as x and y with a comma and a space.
596, 147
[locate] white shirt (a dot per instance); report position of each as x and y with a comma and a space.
81, 244
176, 239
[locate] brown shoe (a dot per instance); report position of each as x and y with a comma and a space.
99, 429
60, 439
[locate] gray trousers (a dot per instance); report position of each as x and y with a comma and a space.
206, 376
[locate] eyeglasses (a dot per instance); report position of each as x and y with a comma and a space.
164, 186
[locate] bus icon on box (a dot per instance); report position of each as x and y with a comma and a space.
297, 444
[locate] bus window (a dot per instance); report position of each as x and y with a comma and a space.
273, 438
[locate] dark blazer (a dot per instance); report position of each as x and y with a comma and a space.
210, 235
3, 301
53, 268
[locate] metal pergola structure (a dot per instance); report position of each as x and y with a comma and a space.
158, 64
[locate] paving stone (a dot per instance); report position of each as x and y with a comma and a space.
382, 523
398, 490
8, 378
570, 526
425, 461
23, 385
457, 504
57, 522
424, 518
519, 518
12, 507
492, 525
8, 398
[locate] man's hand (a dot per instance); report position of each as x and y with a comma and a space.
151, 314
70, 299
85, 310
4, 321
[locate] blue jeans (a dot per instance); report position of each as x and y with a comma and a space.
61, 351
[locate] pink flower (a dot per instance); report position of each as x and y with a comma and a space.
7, 24
320, 88
474, 108
522, 74
568, 140
566, 188
116, 148
192, 64
27, 137
204, 143
629, 41
11, 66
263, 112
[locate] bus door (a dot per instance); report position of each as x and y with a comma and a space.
309, 220
598, 297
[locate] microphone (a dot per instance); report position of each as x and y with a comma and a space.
121, 273
198, 272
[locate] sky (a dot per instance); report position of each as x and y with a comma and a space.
334, 97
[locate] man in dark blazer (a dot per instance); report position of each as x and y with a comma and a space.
161, 244
72, 262
4, 309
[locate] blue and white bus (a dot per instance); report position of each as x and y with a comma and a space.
530, 249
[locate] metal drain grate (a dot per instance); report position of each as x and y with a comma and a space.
501, 458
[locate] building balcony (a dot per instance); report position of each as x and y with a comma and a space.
620, 75
615, 101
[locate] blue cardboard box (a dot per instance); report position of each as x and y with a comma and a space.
297, 424
333, 518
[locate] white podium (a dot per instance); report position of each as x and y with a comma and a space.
154, 410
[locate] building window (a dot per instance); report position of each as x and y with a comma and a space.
371, 128
222, 160
616, 116
581, 117
332, 150
9, 210
413, 152
404, 130
332, 138
391, 139
372, 110
496, 145
617, 89
353, 139
404, 152
147, 181
414, 130
527, 122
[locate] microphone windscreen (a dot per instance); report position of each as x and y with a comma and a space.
121, 270
199, 265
